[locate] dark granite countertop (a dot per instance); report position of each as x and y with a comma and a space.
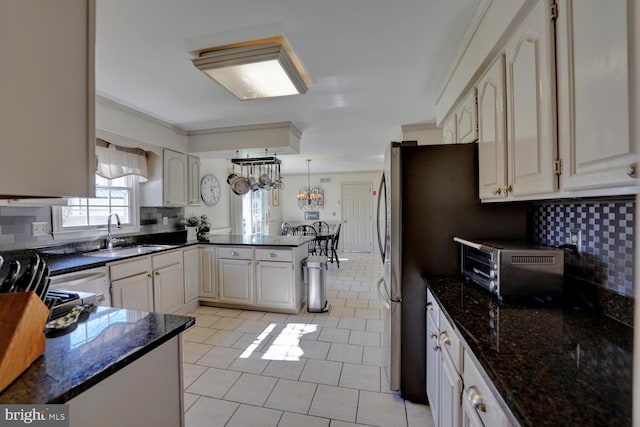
107, 340
552, 365
243, 240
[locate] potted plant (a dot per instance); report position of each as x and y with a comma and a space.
191, 223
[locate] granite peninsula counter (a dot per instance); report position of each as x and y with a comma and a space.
552, 366
110, 358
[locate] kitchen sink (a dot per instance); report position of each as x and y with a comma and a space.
120, 252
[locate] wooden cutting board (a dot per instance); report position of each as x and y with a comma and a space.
22, 319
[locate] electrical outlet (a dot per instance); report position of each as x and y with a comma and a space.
39, 229
575, 237
165, 220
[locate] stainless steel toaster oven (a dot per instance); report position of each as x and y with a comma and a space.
507, 268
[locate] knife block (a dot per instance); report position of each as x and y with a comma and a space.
22, 319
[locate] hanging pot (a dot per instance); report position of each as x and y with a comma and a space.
232, 176
240, 185
265, 180
253, 183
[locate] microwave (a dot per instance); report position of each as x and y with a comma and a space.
507, 268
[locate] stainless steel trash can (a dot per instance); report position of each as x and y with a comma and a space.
315, 268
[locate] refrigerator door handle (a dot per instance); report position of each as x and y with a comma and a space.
382, 190
383, 299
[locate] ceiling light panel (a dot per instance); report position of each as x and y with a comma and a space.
254, 71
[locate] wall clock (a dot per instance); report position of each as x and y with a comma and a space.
210, 190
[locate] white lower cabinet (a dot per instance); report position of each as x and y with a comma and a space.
236, 281
151, 283
135, 292
479, 406
444, 382
191, 262
168, 289
274, 284
208, 274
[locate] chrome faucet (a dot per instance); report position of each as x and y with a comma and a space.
118, 225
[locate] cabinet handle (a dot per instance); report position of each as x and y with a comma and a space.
273, 255
430, 306
157, 273
235, 253
507, 189
476, 399
444, 338
497, 191
436, 347
434, 335
632, 170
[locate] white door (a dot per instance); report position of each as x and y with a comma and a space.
135, 293
357, 227
235, 280
191, 262
274, 284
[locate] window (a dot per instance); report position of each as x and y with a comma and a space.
250, 213
112, 196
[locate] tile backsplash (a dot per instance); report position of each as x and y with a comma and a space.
607, 236
15, 226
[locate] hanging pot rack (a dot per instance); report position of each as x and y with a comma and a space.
256, 161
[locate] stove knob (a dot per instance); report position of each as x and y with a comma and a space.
492, 274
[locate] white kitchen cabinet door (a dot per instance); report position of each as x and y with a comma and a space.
168, 289
434, 366
135, 292
235, 279
531, 105
275, 284
450, 389
594, 83
449, 135
194, 180
492, 146
467, 120
174, 178
47, 106
191, 263
208, 274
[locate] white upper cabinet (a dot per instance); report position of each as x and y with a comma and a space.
531, 105
47, 106
175, 178
492, 147
593, 94
467, 120
449, 135
194, 180
167, 184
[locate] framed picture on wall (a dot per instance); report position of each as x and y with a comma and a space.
275, 197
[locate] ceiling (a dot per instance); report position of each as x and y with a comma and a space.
372, 65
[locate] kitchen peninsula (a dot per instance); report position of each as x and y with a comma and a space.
103, 361
254, 272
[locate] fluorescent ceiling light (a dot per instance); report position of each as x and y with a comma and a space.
260, 69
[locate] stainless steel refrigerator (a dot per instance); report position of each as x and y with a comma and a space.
428, 194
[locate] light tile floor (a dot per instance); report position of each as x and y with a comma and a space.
251, 368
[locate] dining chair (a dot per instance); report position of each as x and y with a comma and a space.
323, 245
334, 246
307, 230
286, 229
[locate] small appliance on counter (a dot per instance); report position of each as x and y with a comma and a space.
510, 268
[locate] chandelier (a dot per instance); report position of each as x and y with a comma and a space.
308, 197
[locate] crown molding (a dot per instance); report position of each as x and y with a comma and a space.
108, 102
244, 128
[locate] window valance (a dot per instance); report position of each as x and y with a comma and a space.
114, 161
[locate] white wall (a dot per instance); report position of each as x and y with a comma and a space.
220, 214
425, 135
332, 193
